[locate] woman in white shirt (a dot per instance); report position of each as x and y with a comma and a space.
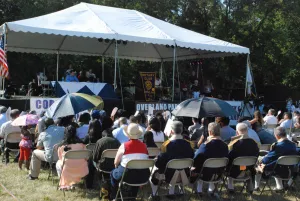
155, 128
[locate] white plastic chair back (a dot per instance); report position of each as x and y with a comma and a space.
215, 163
265, 147
140, 164
153, 152
288, 160
77, 154
159, 144
180, 163
245, 161
13, 137
90, 146
109, 153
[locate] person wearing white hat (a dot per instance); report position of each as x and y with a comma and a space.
133, 149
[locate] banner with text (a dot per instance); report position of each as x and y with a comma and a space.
148, 80
41, 104
160, 107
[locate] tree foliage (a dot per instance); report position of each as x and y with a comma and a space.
270, 28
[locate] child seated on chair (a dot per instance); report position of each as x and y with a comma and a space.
25, 147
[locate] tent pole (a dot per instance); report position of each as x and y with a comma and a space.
174, 63
57, 65
161, 70
178, 80
102, 68
121, 83
116, 55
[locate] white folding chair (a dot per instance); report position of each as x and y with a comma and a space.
90, 146
75, 155
12, 138
159, 144
245, 161
53, 160
270, 127
264, 149
282, 161
177, 165
135, 165
212, 163
106, 154
153, 152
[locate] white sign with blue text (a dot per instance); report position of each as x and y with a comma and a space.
41, 104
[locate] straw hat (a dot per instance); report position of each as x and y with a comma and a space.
133, 131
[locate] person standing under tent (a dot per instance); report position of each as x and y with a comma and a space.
72, 77
208, 88
195, 89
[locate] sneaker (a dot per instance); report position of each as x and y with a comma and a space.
29, 177
257, 189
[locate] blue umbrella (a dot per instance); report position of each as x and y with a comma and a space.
71, 104
204, 107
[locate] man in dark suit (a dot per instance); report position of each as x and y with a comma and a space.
174, 148
283, 147
214, 147
240, 146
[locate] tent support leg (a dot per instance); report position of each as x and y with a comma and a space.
116, 55
57, 65
174, 63
102, 68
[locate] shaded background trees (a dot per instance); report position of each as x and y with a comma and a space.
270, 28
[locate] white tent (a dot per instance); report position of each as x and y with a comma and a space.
87, 29
76, 30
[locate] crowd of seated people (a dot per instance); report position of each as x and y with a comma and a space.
132, 138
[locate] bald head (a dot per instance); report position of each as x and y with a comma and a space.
242, 128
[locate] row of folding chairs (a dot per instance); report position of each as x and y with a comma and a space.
180, 164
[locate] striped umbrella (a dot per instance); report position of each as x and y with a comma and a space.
204, 107
71, 104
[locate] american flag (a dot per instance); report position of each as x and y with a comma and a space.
3, 60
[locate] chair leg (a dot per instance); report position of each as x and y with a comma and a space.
262, 190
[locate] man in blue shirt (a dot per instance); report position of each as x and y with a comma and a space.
283, 147
226, 131
47, 139
72, 77
118, 133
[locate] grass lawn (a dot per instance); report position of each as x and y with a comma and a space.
43, 190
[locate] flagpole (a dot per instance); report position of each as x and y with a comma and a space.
252, 75
246, 85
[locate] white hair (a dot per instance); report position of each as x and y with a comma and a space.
242, 128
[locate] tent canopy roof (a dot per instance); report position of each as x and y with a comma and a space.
76, 30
